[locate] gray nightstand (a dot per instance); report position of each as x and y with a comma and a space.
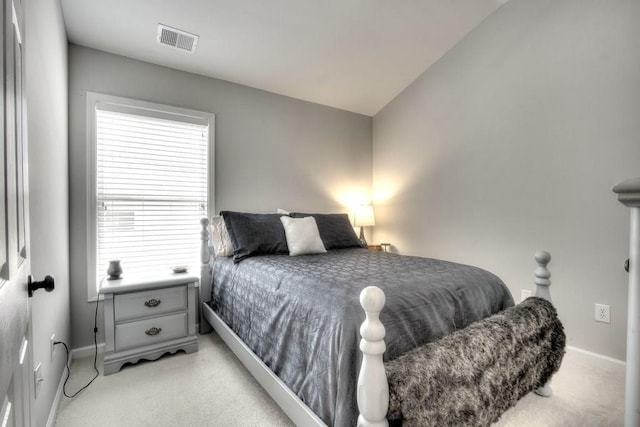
148, 316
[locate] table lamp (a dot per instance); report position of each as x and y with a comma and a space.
363, 217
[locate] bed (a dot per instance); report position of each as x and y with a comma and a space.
295, 321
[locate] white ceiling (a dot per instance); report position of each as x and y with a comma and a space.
356, 55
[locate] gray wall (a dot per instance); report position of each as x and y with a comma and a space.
511, 143
271, 151
47, 88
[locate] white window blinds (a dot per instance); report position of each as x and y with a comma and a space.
151, 178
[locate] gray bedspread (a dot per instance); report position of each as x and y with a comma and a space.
301, 315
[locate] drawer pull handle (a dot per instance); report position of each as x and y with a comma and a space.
153, 331
152, 303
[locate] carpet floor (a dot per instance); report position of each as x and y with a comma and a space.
212, 388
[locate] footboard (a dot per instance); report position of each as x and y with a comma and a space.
539, 335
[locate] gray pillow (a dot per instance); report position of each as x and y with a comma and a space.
335, 230
255, 234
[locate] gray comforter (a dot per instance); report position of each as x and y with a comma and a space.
301, 315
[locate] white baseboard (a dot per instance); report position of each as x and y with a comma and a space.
597, 355
79, 353
57, 399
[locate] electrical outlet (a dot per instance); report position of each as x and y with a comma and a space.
603, 313
52, 346
524, 294
37, 379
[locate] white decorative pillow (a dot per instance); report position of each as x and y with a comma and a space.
302, 235
220, 239
282, 211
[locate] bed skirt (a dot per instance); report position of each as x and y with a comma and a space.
472, 376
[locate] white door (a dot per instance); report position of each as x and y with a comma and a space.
16, 377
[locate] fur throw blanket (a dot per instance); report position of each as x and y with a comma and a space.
472, 376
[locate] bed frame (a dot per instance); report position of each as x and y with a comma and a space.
372, 388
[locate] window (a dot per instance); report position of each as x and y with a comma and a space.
151, 171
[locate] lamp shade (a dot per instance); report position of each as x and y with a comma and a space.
363, 216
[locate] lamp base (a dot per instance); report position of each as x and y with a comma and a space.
362, 239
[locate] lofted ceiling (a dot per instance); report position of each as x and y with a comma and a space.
355, 55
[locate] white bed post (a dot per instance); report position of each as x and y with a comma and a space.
205, 273
629, 194
543, 275
373, 389
543, 282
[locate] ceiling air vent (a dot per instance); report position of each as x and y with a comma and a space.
177, 38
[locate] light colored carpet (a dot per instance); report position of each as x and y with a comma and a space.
587, 392
207, 388
212, 388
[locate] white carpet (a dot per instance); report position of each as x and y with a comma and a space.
587, 392
211, 388
206, 388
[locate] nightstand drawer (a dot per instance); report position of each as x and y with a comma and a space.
149, 303
151, 331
